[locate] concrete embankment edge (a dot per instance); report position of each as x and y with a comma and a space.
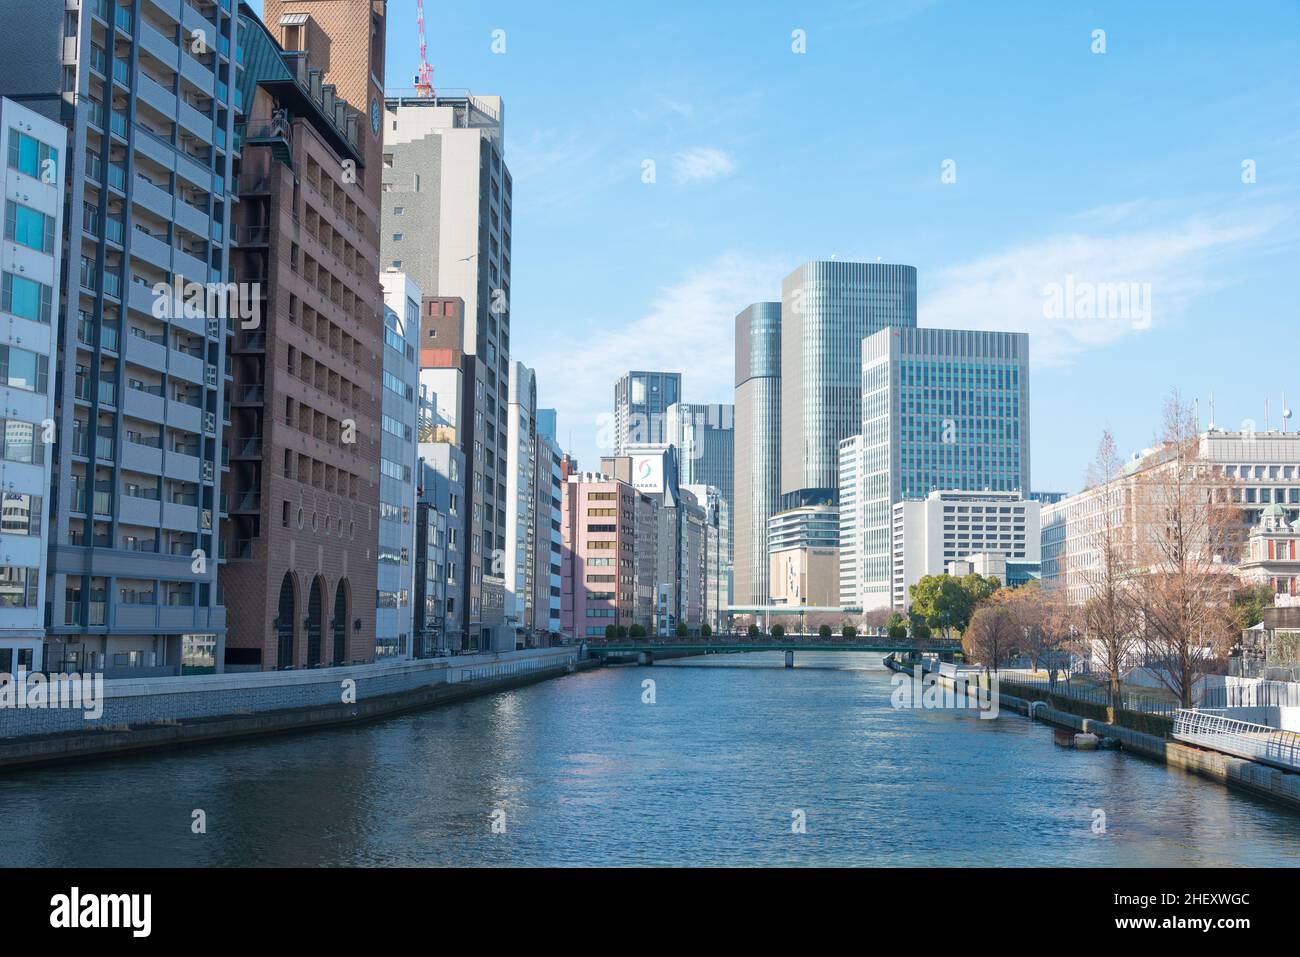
1258, 779
53, 748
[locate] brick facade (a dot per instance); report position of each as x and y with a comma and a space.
304, 441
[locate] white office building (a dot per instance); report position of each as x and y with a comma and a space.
29, 267
931, 534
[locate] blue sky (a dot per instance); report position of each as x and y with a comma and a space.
1123, 166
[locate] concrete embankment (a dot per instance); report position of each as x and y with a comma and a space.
1259, 779
148, 713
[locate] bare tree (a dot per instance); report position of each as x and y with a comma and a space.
1041, 616
1189, 534
1105, 568
991, 636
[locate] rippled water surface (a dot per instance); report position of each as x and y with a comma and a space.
581, 771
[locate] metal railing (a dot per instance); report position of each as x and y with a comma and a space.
1093, 694
1257, 742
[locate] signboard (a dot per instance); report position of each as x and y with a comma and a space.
648, 473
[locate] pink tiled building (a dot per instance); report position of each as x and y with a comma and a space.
599, 530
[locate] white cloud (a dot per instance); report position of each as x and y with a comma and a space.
702, 163
1008, 290
689, 328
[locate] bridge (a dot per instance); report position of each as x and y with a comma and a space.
645, 649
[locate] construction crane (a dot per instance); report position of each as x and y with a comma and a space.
423, 79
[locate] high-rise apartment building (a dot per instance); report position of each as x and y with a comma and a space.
447, 223
548, 540
518, 565
146, 92
641, 401
302, 542
827, 309
942, 409
398, 470
757, 443
33, 148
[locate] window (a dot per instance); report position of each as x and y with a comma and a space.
18, 442
18, 586
29, 227
20, 369
20, 514
26, 298
29, 155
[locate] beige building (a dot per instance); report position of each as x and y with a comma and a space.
805, 576
1258, 470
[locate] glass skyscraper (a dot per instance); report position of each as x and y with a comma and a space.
942, 409
827, 309
641, 401
757, 446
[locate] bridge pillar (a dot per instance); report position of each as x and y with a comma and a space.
645, 658
789, 659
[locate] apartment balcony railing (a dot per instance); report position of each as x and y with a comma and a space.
151, 441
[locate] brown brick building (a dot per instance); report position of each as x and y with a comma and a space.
301, 545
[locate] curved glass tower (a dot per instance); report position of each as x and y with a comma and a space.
827, 309
757, 445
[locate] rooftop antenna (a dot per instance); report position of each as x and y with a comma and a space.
1211, 412
1286, 413
1265, 413
423, 79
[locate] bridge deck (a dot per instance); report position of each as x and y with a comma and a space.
711, 646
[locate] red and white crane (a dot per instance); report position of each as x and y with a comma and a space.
423, 79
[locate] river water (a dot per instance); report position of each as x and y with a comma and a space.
735, 753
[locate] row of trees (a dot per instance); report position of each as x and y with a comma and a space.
1152, 580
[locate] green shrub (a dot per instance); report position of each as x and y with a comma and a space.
636, 631
611, 631
706, 631
753, 630
824, 631
681, 629
778, 631
849, 631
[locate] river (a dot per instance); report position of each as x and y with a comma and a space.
735, 753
